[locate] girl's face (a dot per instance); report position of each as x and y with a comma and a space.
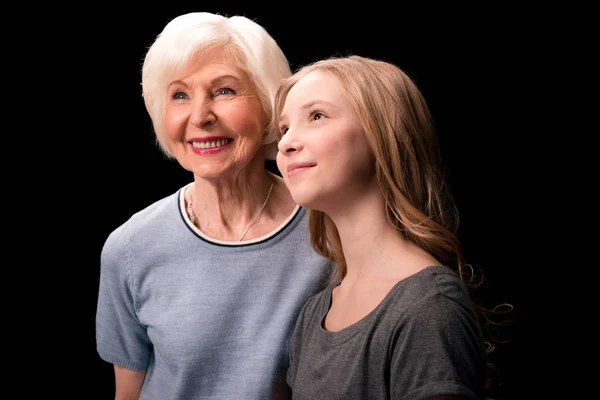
324, 156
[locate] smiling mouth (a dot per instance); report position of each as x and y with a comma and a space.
296, 169
211, 144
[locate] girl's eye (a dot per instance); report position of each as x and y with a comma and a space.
224, 91
316, 115
283, 130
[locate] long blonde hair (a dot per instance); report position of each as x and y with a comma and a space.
409, 167
410, 172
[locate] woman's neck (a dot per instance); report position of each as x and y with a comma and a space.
227, 207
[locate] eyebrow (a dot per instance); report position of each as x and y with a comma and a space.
223, 78
213, 81
310, 104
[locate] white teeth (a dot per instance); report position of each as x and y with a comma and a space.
209, 145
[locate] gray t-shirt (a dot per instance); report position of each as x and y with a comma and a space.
207, 319
422, 340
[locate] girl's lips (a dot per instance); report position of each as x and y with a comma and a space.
297, 167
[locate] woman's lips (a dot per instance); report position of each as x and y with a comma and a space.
219, 143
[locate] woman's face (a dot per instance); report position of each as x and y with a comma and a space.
213, 117
324, 155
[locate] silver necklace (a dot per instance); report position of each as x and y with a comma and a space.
192, 216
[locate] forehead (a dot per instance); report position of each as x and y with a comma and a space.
316, 85
213, 62
316, 82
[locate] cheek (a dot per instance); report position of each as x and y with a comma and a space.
175, 120
352, 155
281, 164
360, 166
245, 119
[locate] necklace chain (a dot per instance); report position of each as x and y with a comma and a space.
192, 215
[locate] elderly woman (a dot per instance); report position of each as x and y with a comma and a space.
199, 292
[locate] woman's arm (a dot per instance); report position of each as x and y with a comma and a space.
128, 383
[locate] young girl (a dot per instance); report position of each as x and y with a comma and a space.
357, 147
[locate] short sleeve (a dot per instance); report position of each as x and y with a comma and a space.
120, 338
438, 350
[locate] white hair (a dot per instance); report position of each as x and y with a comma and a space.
252, 48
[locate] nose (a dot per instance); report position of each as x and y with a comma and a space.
202, 114
289, 144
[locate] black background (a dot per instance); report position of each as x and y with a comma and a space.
479, 70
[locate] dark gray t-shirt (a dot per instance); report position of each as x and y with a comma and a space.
422, 340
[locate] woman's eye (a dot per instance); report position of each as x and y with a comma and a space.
178, 95
223, 91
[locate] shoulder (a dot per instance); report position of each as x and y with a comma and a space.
318, 303
154, 217
434, 307
321, 298
158, 212
153, 214
435, 295
439, 284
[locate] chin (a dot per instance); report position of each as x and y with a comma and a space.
308, 201
302, 199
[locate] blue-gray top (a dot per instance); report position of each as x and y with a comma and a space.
207, 319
